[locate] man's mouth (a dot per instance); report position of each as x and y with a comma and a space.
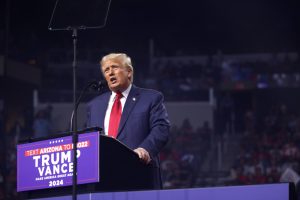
113, 80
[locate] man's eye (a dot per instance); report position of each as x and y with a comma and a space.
115, 66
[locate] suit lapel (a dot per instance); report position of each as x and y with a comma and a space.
131, 101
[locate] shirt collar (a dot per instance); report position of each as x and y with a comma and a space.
125, 93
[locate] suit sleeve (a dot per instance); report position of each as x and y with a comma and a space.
159, 127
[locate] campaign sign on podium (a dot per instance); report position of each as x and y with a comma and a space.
48, 163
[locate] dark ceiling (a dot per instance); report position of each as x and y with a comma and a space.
192, 26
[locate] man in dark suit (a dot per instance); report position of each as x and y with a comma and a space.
135, 116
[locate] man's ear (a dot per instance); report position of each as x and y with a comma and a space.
129, 71
130, 74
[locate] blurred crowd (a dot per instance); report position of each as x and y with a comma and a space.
269, 152
182, 158
233, 72
268, 147
186, 78
24, 129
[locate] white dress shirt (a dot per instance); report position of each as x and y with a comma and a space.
110, 104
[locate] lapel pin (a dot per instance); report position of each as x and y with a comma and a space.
133, 99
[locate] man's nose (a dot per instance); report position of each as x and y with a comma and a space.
110, 72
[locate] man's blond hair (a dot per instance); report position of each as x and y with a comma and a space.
123, 58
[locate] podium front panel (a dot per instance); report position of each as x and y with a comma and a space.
48, 163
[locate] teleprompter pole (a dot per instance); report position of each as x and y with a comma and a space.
74, 136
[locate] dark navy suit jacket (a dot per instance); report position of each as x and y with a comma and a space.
144, 122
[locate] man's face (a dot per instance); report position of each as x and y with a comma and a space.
117, 76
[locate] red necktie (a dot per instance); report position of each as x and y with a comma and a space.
115, 116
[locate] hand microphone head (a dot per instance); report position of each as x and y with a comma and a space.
98, 85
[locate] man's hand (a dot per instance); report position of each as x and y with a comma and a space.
143, 155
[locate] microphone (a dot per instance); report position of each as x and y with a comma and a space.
95, 85
98, 85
